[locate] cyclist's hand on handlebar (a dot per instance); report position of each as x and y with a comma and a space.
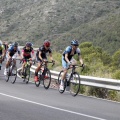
30, 59
53, 61
69, 63
83, 66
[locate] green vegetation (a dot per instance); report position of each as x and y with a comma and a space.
96, 21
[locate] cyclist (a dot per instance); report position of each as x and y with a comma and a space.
67, 59
41, 56
12, 53
27, 53
2, 53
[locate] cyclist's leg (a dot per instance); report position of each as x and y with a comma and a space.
65, 66
37, 69
7, 64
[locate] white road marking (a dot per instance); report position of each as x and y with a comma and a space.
25, 100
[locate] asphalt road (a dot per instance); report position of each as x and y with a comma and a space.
22, 101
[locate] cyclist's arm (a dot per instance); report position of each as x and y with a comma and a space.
22, 54
9, 54
33, 54
51, 56
3, 52
79, 55
40, 52
80, 59
66, 58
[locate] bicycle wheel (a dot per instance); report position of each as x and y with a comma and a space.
8, 75
74, 83
59, 81
37, 83
27, 74
13, 74
47, 78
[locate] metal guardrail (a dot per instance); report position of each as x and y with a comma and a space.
112, 84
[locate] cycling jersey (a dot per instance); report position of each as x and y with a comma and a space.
12, 51
27, 53
43, 52
1, 49
68, 51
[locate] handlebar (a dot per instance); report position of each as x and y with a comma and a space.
44, 62
21, 61
75, 66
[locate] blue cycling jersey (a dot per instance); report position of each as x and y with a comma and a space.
12, 51
68, 51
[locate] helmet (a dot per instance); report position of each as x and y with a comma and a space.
28, 44
47, 43
15, 44
74, 42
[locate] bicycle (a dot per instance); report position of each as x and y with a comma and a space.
12, 71
26, 70
44, 75
73, 81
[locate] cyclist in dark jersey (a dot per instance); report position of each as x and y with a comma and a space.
27, 53
41, 56
67, 59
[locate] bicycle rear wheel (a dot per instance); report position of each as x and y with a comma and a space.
47, 79
27, 74
59, 81
13, 74
74, 84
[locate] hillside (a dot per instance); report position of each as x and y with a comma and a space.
60, 21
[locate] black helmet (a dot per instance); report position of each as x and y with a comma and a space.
28, 44
15, 44
75, 42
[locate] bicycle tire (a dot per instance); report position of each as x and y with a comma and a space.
59, 81
8, 75
27, 74
37, 83
14, 73
47, 78
74, 83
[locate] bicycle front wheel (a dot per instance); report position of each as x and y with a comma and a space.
13, 74
37, 83
74, 84
47, 79
8, 75
27, 74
